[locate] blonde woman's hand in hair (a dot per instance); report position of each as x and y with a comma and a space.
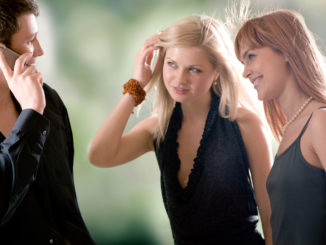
110, 145
25, 82
143, 68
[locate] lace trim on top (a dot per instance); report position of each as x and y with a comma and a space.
184, 194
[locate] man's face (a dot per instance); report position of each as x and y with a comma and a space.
26, 40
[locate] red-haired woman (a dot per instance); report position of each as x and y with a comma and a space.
282, 61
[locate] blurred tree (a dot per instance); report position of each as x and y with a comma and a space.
92, 46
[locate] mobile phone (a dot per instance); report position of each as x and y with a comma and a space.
10, 55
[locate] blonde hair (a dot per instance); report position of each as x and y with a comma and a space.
285, 32
212, 37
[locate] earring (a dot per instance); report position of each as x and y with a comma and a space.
215, 83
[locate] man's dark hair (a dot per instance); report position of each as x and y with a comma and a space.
10, 11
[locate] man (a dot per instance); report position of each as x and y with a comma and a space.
38, 203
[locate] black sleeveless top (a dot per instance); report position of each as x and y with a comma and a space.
297, 192
217, 206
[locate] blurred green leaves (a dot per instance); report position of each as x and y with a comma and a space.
90, 47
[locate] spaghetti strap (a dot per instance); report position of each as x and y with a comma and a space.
306, 125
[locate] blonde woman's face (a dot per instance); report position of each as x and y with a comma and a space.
188, 74
266, 69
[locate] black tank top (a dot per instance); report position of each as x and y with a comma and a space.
217, 206
297, 192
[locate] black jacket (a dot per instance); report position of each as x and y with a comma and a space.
38, 203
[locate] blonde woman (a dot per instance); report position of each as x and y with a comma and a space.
203, 132
282, 60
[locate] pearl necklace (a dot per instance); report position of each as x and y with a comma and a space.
295, 116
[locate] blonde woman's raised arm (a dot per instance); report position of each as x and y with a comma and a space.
109, 146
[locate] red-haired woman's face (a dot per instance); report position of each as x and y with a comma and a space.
266, 69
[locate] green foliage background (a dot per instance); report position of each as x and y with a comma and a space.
90, 47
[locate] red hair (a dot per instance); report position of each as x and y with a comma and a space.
285, 32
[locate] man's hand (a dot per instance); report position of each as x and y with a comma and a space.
25, 82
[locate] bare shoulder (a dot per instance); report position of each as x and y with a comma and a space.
142, 133
318, 122
147, 125
256, 141
319, 116
248, 119
252, 128
316, 137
